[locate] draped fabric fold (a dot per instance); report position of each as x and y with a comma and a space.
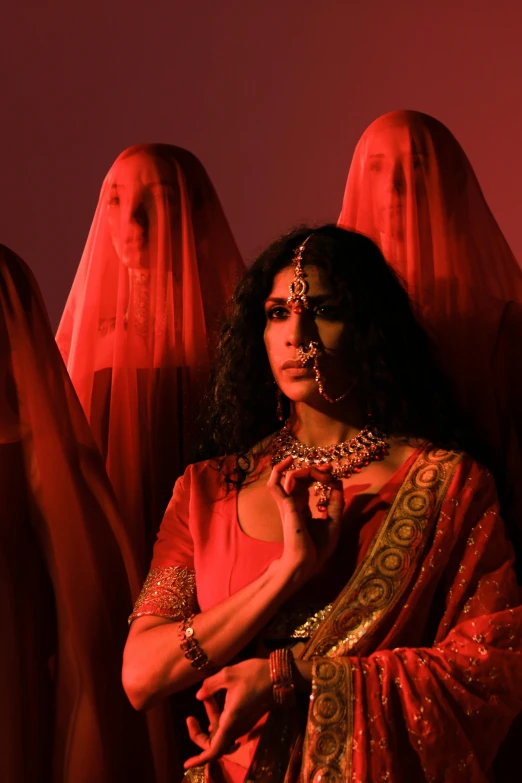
411, 188
68, 576
158, 268
417, 670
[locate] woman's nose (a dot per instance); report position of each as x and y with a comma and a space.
139, 216
299, 329
398, 181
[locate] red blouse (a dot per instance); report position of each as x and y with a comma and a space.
201, 531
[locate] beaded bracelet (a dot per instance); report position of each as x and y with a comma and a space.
281, 674
190, 645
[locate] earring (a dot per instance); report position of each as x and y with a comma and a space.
279, 396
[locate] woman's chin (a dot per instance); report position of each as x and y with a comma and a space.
301, 391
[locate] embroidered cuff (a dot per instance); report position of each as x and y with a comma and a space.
168, 591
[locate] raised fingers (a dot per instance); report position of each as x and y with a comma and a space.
196, 733
276, 478
221, 743
300, 479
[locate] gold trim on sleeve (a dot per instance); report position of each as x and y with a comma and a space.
168, 591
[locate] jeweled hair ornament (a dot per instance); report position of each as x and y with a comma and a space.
298, 288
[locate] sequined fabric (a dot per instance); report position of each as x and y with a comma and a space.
296, 621
417, 668
167, 592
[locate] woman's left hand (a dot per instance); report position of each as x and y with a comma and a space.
248, 697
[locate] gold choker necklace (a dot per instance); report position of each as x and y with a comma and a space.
367, 446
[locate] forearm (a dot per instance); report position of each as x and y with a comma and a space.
154, 664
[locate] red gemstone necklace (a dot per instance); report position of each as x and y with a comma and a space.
349, 457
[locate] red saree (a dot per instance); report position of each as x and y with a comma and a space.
418, 662
412, 189
418, 667
159, 265
67, 576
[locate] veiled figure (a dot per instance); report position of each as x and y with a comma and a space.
159, 265
411, 188
67, 574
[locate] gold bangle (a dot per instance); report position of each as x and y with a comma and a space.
190, 645
281, 674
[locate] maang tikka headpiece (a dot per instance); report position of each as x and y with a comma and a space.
298, 299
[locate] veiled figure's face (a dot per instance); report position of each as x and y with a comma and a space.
397, 166
143, 193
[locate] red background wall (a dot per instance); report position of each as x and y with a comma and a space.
271, 96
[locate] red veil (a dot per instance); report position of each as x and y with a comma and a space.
159, 265
67, 578
412, 189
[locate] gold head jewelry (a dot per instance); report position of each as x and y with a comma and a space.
311, 353
298, 288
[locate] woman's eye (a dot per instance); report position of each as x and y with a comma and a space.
277, 313
114, 201
327, 311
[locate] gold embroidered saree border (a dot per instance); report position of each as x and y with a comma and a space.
330, 723
387, 569
361, 607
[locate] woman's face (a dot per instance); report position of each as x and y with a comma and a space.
142, 192
396, 165
286, 330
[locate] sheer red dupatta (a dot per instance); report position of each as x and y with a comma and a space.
159, 265
72, 577
412, 189
418, 668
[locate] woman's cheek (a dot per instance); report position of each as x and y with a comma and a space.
332, 335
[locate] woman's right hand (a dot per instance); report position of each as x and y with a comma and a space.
310, 537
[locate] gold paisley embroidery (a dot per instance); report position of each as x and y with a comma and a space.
167, 592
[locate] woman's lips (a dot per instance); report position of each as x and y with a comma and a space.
298, 372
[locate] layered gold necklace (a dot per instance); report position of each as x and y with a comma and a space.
349, 457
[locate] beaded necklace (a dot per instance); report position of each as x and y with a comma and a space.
350, 456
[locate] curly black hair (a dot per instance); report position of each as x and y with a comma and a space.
390, 353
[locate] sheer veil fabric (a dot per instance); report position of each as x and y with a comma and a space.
159, 265
411, 188
67, 576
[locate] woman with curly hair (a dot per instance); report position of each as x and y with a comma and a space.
341, 584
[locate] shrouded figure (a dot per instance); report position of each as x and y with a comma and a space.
411, 188
339, 544
159, 265
67, 574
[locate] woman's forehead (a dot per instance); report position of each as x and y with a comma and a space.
394, 140
141, 168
